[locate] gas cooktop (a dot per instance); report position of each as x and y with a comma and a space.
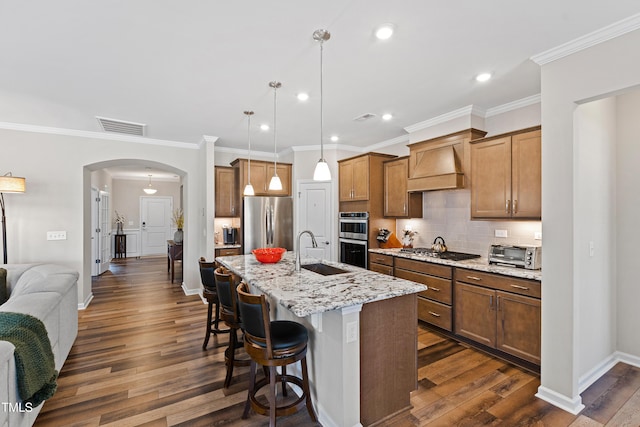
449, 255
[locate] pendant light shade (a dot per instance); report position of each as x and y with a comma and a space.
248, 189
322, 172
275, 183
149, 189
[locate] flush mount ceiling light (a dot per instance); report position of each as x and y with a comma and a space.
483, 77
384, 31
387, 116
303, 96
335, 138
322, 172
275, 183
264, 127
149, 189
248, 189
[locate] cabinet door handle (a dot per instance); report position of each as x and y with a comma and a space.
506, 206
524, 288
515, 204
474, 278
498, 303
490, 302
434, 314
434, 289
404, 208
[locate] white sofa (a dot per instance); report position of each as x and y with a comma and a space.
48, 292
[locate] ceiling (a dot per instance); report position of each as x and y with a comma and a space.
189, 69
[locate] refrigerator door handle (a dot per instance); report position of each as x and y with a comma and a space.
272, 225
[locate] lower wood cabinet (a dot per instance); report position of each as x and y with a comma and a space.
506, 321
434, 304
381, 263
227, 252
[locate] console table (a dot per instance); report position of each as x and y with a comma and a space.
120, 246
174, 253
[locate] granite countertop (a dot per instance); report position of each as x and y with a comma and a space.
306, 293
480, 264
221, 246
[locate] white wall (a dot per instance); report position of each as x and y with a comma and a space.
595, 224
594, 73
628, 231
58, 170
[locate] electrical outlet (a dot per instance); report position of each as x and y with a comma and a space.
537, 235
352, 332
56, 235
501, 233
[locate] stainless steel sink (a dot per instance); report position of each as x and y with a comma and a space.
324, 269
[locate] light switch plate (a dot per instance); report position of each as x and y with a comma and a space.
537, 235
501, 233
56, 235
352, 332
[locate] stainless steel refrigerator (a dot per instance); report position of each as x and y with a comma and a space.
267, 222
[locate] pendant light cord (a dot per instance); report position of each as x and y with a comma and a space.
275, 105
321, 106
249, 113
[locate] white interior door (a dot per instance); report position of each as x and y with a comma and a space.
104, 233
315, 214
155, 220
95, 231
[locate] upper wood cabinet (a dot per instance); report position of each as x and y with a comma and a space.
261, 173
225, 188
354, 179
398, 202
358, 176
506, 175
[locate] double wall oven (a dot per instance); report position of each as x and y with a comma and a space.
353, 237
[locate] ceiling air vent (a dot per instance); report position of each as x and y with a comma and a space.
120, 126
365, 116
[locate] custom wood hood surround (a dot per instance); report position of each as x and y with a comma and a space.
441, 163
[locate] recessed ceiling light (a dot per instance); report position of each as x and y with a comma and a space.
303, 96
334, 138
384, 31
483, 77
264, 127
387, 116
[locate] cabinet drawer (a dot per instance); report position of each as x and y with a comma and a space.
381, 259
379, 268
504, 283
439, 288
228, 252
435, 313
425, 267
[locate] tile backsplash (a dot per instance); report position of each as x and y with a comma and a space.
447, 214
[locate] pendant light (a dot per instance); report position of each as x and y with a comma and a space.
275, 183
322, 172
248, 189
149, 189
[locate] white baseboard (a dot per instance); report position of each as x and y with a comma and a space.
628, 359
189, 291
571, 405
83, 305
585, 381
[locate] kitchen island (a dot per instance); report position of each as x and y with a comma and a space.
362, 326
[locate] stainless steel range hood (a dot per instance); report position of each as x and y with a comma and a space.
441, 163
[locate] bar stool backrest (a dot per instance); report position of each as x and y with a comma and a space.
226, 283
206, 275
255, 319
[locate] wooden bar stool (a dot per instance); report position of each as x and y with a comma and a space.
271, 344
226, 283
210, 293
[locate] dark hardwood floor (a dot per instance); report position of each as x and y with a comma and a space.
138, 361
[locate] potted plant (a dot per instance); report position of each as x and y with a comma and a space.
119, 223
178, 220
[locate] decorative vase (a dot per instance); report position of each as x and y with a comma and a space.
118, 228
178, 236
407, 242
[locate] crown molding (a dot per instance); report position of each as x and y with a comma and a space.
609, 32
242, 152
393, 141
96, 135
461, 112
514, 105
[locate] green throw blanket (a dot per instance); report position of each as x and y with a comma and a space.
34, 358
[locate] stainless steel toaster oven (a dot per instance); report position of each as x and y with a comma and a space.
529, 257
